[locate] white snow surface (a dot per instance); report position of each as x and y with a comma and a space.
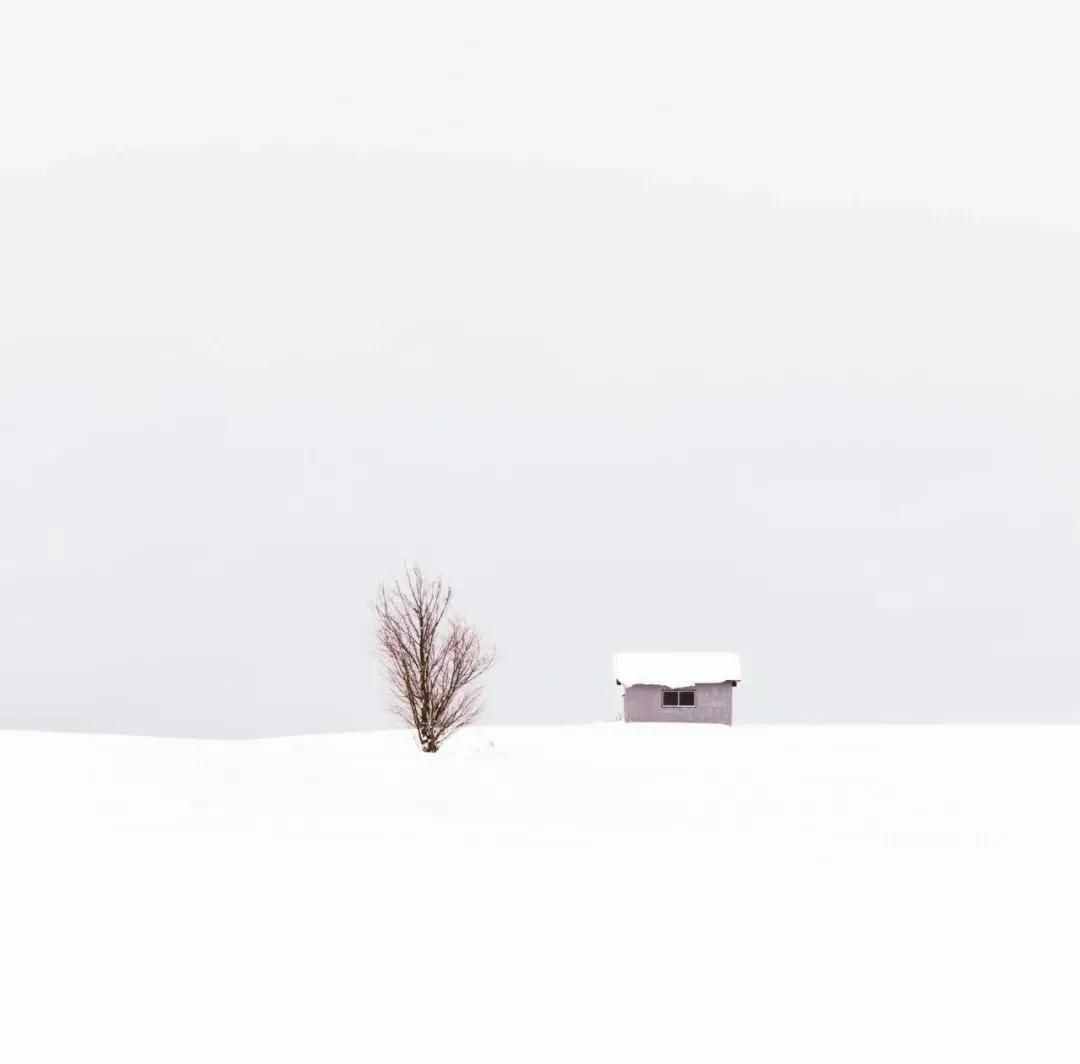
586, 893
676, 669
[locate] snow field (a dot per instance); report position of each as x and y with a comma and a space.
575, 893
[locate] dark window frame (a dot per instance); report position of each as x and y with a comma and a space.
678, 698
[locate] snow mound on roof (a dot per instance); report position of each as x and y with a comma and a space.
681, 669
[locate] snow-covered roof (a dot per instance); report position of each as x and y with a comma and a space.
681, 669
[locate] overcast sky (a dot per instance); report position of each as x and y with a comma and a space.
729, 327
961, 105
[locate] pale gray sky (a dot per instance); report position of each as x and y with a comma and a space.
963, 105
735, 331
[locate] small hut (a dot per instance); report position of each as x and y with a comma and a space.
693, 687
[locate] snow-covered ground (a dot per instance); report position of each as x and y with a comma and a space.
605, 892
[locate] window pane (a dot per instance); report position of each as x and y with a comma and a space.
686, 698
671, 698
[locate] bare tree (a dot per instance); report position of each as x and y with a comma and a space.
433, 660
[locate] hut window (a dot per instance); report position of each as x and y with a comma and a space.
678, 698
